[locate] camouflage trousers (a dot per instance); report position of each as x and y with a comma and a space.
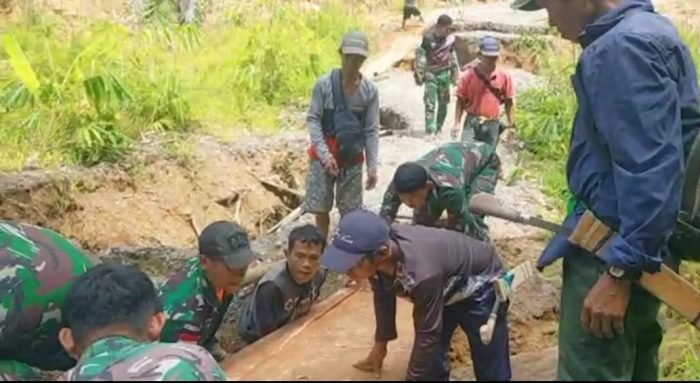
14, 371
476, 129
485, 182
436, 94
320, 189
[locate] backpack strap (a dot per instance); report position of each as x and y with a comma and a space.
496, 92
337, 85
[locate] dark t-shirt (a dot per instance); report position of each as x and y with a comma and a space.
435, 267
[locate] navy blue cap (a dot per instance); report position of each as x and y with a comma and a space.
360, 233
489, 46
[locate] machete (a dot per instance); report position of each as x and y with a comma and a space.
667, 285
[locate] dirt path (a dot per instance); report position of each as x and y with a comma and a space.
534, 312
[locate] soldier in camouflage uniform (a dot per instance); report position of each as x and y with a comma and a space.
38, 267
444, 179
436, 67
195, 300
113, 317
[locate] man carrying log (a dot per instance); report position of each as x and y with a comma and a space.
448, 278
343, 121
195, 299
289, 289
38, 268
444, 179
113, 318
436, 68
637, 117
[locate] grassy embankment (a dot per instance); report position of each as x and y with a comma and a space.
84, 92
544, 119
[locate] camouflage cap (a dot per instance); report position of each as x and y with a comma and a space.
526, 5
227, 241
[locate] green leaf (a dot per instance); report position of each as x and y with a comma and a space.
20, 63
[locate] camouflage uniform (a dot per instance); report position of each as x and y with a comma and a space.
457, 170
118, 358
436, 67
38, 266
193, 310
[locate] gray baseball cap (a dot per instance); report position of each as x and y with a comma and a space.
228, 242
489, 46
355, 43
526, 5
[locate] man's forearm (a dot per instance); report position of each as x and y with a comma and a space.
384, 312
317, 139
313, 121
509, 112
372, 134
459, 109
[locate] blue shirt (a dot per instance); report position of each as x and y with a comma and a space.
637, 93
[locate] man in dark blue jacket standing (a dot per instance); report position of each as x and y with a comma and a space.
637, 116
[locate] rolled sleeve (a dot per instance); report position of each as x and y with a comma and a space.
636, 108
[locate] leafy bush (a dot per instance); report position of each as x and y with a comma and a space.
83, 95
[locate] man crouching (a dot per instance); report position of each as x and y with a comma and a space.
289, 289
113, 317
445, 274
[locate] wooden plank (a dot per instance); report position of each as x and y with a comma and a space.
672, 289
324, 344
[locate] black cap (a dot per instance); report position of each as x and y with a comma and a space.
227, 241
409, 177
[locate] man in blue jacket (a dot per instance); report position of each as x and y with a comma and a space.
637, 94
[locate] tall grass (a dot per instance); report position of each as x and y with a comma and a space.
544, 117
84, 94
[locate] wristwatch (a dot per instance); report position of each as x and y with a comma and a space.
619, 273
616, 272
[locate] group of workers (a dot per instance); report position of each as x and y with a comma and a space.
637, 92
64, 311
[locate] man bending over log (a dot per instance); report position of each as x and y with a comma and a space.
195, 300
289, 289
446, 275
113, 316
38, 267
444, 179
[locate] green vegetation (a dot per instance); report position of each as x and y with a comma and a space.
84, 93
544, 119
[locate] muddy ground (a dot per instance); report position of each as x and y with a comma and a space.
138, 212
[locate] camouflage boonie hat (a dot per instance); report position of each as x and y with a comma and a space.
526, 5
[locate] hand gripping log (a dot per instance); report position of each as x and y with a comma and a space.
594, 236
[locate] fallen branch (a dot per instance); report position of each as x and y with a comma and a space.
296, 213
281, 188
